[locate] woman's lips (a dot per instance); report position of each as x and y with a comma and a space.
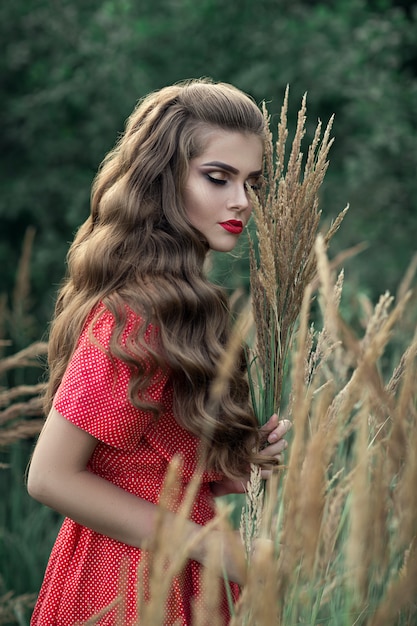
233, 226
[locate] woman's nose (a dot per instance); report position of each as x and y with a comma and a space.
240, 198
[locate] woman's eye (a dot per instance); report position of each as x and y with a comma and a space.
216, 181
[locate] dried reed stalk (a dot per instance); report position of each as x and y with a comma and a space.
336, 520
23, 401
401, 593
357, 555
12, 606
282, 262
28, 357
22, 285
251, 517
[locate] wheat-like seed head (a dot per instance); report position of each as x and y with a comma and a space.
286, 214
251, 517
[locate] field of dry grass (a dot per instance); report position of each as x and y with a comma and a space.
331, 539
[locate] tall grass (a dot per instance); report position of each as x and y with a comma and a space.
333, 539
336, 532
26, 528
339, 525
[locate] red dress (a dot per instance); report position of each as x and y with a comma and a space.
133, 452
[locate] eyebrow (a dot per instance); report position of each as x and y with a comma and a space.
229, 168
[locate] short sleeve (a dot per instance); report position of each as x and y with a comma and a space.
93, 393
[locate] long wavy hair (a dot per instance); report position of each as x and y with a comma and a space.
137, 249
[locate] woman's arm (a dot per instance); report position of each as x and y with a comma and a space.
58, 478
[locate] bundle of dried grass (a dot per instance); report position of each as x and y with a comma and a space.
282, 261
337, 550
342, 525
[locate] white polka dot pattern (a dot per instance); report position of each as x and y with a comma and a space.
133, 452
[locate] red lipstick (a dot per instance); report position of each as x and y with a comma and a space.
233, 226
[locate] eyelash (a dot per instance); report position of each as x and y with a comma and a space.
216, 181
220, 181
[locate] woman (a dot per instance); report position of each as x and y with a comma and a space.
134, 347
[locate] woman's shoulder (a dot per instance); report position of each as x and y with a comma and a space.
101, 322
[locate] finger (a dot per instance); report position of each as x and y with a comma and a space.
280, 431
270, 424
267, 473
275, 448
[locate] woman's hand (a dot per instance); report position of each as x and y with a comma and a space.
272, 434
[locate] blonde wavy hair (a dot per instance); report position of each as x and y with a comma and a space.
138, 248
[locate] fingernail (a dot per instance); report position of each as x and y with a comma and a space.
272, 437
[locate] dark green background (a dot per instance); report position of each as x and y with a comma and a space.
71, 72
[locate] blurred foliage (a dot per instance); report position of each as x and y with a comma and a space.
72, 71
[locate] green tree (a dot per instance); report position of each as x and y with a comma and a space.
71, 73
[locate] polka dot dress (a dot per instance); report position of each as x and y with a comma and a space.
133, 451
